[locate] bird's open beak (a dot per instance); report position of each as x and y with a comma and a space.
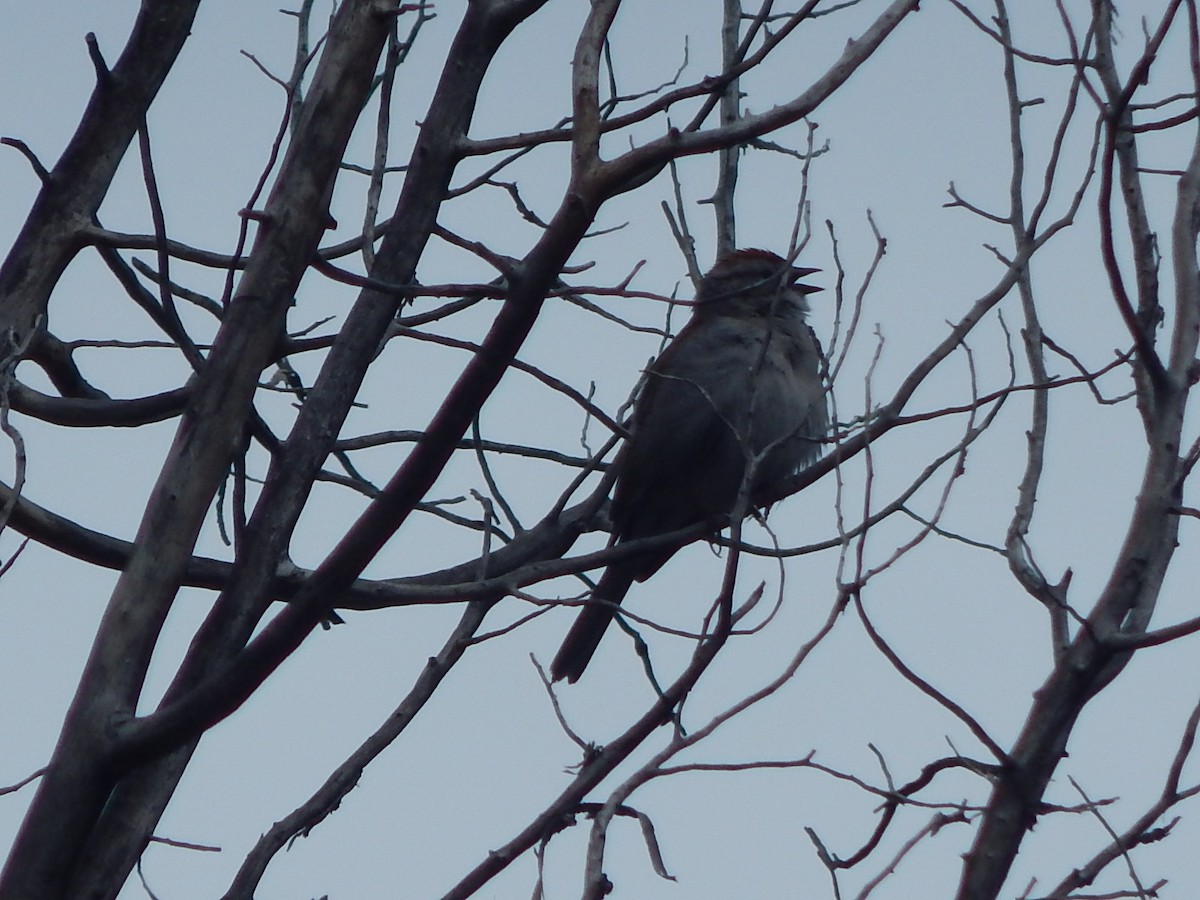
799, 272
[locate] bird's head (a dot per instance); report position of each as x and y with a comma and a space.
754, 281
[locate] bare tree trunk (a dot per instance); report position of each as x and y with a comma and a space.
91, 756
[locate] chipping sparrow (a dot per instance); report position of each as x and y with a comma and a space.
740, 382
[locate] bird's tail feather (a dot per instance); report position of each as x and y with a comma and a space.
581, 641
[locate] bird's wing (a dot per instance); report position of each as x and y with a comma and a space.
684, 463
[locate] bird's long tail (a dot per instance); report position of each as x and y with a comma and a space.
581, 641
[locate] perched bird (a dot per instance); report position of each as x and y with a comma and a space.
741, 382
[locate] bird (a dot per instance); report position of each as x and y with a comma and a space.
740, 382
